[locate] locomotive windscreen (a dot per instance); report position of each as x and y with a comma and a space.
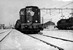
29, 14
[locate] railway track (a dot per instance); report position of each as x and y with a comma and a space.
56, 38
59, 48
39, 39
3, 32
4, 36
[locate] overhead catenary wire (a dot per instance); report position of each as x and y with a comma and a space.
67, 4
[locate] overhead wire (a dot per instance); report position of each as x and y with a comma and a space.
67, 4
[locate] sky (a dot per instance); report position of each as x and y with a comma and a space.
9, 9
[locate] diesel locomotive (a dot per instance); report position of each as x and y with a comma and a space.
66, 24
29, 21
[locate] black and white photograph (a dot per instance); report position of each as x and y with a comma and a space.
36, 24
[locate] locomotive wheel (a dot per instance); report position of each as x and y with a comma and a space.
18, 25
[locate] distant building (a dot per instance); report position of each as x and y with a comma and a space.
2, 26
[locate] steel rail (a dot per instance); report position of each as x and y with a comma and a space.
56, 37
59, 48
2, 32
5, 36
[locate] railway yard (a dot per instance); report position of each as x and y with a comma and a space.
11, 39
36, 25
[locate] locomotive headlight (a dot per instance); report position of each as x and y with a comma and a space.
36, 21
28, 21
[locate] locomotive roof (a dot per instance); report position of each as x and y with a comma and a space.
31, 7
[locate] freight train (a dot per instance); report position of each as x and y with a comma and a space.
29, 21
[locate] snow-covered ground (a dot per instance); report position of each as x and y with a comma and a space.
65, 34
2, 30
3, 33
19, 41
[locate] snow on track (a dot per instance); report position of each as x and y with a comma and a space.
3, 30
64, 34
59, 48
63, 44
4, 34
19, 41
